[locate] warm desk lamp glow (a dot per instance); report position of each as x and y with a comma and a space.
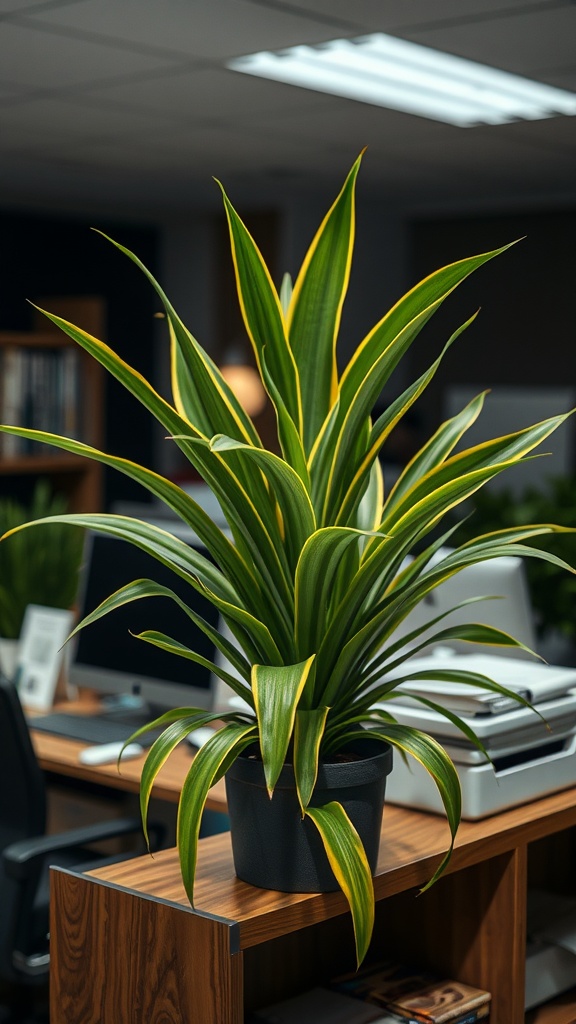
246, 385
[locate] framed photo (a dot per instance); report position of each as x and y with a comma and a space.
41, 654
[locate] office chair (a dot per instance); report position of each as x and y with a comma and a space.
26, 852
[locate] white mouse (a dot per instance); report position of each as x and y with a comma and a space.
106, 753
198, 737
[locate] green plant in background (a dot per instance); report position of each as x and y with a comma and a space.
36, 567
552, 591
313, 583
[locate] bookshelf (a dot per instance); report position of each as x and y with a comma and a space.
48, 382
125, 940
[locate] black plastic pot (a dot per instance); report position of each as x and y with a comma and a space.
273, 847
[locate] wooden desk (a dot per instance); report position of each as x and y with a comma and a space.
59, 755
126, 945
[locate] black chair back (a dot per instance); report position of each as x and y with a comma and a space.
22, 787
26, 852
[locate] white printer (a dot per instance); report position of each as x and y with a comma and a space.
529, 757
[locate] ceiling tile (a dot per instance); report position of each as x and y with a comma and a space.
35, 60
128, 103
527, 42
209, 30
209, 95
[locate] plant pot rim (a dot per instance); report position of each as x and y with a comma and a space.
374, 760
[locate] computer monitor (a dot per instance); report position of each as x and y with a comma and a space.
502, 581
107, 658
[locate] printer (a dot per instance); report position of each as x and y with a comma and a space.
532, 749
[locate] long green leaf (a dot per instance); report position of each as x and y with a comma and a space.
255, 519
262, 313
297, 515
183, 559
350, 866
348, 618
316, 307
308, 733
369, 510
500, 452
277, 690
289, 436
175, 647
215, 540
432, 290
143, 588
253, 634
343, 439
432, 756
393, 655
315, 574
207, 767
176, 725
358, 671
429, 294
402, 597
439, 709
440, 445
446, 675
226, 481
348, 480
201, 393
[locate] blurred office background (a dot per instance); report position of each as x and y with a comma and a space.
118, 116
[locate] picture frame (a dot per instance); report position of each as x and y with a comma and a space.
41, 655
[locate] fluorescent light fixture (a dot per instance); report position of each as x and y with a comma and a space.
394, 73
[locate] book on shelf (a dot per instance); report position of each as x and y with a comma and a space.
413, 995
40, 388
385, 993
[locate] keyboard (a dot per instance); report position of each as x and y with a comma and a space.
103, 727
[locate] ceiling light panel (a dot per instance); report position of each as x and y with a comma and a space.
389, 72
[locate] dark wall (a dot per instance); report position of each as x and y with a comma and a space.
525, 331
42, 255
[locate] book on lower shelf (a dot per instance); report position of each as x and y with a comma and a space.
416, 996
387, 993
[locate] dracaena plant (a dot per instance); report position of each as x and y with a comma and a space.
311, 577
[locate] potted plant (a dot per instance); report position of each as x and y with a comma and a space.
313, 580
35, 567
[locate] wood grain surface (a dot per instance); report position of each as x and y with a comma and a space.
411, 846
138, 960
260, 945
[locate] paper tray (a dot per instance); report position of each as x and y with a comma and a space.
485, 791
512, 730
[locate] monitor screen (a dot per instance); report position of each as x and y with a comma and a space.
109, 659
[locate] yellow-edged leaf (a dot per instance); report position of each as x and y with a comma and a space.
308, 732
277, 690
289, 491
262, 313
201, 393
316, 307
316, 571
351, 869
432, 756
210, 763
